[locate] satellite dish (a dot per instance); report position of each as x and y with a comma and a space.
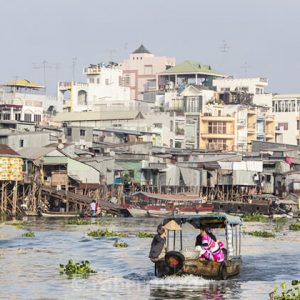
60, 146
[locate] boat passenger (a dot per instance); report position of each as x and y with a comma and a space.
211, 249
158, 250
93, 208
199, 237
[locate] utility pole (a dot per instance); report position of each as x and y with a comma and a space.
74, 61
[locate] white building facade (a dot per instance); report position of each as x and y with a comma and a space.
104, 89
286, 108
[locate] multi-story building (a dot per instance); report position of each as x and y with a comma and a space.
141, 69
251, 90
186, 73
234, 127
105, 88
24, 100
286, 109
217, 129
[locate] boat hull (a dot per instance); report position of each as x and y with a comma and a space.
58, 215
205, 269
137, 212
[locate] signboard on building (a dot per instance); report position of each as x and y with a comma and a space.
11, 168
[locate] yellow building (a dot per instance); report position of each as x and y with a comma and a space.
217, 132
234, 127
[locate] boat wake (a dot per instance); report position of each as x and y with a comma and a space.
182, 281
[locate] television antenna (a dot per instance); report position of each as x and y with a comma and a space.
224, 48
44, 66
245, 67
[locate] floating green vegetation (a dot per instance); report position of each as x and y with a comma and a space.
16, 224
118, 244
80, 221
71, 268
295, 226
106, 233
28, 234
143, 234
286, 292
77, 221
264, 234
254, 217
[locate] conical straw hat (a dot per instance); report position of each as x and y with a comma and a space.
172, 225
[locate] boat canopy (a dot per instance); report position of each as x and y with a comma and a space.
213, 220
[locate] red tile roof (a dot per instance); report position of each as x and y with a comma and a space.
5, 150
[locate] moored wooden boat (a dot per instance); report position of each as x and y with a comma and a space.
51, 214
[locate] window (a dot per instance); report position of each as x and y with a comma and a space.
37, 118
127, 80
106, 81
268, 178
298, 123
171, 126
177, 144
217, 144
21, 143
92, 80
69, 131
284, 126
131, 173
27, 117
98, 80
6, 116
17, 117
148, 69
82, 132
217, 127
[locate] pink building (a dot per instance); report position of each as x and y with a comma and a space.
141, 69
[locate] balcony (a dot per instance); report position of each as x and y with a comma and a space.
96, 70
269, 119
217, 118
207, 135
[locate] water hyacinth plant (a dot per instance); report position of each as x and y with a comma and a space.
106, 233
143, 234
118, 244
78, 221
264, 234
71, 268
254, 217
295, 226
28, 234
286, 292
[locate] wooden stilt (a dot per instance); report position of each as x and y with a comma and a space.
15, 197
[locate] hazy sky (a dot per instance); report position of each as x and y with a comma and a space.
265, 34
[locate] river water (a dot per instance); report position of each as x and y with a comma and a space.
29, 266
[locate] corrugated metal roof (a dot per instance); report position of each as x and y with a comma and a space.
192, 67
95, 116
22, 83
35, 152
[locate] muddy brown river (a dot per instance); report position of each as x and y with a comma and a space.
29, 266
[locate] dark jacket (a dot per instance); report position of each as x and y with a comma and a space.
198, 240
157, 246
